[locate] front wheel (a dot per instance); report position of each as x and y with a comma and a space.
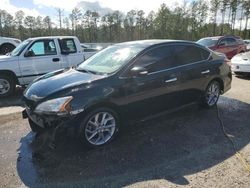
212, 94
99, 127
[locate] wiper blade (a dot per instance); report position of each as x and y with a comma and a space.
87, 71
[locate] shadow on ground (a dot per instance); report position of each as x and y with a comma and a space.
244, 77
13, 100
169, 147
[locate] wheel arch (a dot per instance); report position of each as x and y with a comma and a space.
7, 43
11, 74
108, 105
220, 81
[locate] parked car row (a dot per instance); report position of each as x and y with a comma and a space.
234, 48
228, 45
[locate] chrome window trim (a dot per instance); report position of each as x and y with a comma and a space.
197, 62
177, 67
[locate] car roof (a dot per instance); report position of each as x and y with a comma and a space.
219, 37
148, 43
51, 37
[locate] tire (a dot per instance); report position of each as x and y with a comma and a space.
211, 94
7, 85
6, 48
94, 132
34, 127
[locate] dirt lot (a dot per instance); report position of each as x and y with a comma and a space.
186, 148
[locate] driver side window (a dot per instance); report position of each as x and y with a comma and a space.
157, 59
42, 48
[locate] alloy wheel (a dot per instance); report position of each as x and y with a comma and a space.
100, 128
213, 93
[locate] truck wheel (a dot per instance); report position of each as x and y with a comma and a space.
7, 85
6, 48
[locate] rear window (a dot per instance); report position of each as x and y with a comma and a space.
67, 45
186, 54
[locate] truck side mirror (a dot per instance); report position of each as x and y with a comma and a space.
29, 53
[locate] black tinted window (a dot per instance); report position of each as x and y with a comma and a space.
231, 41
228, 41
185, 54
156, 59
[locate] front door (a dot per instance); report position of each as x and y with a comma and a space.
155, 90
40, 58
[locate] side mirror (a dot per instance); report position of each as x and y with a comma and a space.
136, 71
222, 44
29, 53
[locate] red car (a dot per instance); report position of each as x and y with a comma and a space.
229, 45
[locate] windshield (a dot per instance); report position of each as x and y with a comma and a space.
208, 42
18, 50
110, 59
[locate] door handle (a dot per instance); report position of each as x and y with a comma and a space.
205, 72
55, 59
171, 80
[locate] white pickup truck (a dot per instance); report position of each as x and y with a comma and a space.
35, 57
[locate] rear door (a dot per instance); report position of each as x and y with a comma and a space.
156, 91
42, 58
71, 56
195, 69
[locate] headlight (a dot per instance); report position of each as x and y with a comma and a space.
59, 106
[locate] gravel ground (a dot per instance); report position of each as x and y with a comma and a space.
183, 149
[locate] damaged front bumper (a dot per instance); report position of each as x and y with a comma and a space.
51, 120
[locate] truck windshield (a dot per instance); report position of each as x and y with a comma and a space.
110, 59
18, 50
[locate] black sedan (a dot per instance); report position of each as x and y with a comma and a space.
127, 81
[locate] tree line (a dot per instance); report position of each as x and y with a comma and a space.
189, 21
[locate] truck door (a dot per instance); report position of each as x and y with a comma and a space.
71, 55
39, 58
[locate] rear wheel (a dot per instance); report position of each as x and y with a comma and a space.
212, 94
99, 127
6, 48
7, 85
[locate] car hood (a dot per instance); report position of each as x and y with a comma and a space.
57, 81
241, 58
4, 58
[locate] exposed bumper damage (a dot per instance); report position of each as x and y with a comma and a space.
51, 125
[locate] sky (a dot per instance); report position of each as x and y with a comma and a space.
47, 7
